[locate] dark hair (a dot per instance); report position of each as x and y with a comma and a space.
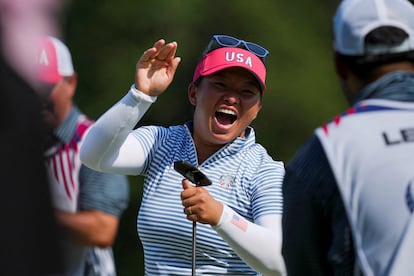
198, 81
385, 36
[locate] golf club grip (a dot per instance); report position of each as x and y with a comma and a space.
191, 173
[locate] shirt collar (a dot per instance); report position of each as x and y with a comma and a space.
236, 145
66, 130
397, 85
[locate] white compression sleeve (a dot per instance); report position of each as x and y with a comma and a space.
259, 245
108, 144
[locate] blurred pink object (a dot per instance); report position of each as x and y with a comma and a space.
22, 23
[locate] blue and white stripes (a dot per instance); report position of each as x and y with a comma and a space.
244, 177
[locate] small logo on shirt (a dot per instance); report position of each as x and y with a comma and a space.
226, 181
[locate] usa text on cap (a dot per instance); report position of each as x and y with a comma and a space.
227, 57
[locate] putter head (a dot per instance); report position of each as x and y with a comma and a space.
191, 173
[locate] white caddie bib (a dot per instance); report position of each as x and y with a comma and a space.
371, 153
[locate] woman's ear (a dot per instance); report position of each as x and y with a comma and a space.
192, 93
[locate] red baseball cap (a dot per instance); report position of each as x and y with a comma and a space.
227, 57
53, 60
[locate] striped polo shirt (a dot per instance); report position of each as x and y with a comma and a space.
244, 177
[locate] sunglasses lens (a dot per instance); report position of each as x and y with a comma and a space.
219, 41
228, 41
257, 49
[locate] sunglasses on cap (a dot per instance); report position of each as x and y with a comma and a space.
219, 41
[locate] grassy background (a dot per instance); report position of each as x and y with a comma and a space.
107, 37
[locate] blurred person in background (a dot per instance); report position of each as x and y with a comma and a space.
239, 215
349, 191
88, 203
29, 234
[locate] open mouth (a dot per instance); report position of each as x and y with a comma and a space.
225, 116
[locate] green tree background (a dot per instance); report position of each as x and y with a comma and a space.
106, 38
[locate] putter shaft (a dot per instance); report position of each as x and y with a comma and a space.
193, 264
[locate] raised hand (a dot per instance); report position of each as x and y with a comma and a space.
156, 68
